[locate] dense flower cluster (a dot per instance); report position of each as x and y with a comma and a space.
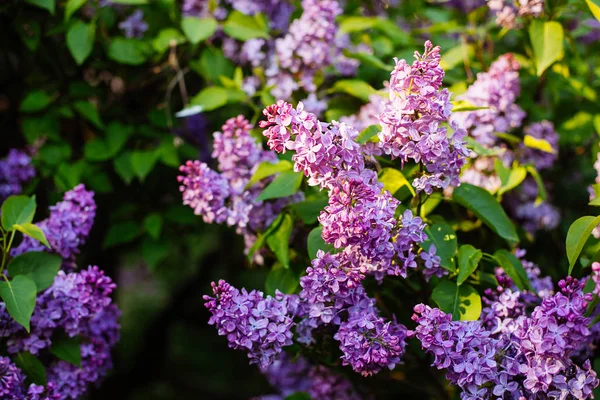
498, 89
259, 325
507, 11
412, 122
15, 171
288, 377
529, 357
524, 206
223, 197
67, 227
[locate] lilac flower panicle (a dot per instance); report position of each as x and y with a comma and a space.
67, 227
259, 325
412, 122
498, 89
11, 380
223, 197
16, 170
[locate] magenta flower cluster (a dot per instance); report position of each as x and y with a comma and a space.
223, 197
528, 358
15, 171
412, 122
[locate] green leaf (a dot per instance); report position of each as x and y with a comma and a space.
153, 224
154, 251
538, 144
38, 266
128, 51
17, 210
279, 240
143, 162
198, 29
393, 180
456, 56
286, 184
124, 168
260, 241
282, 279
267, 168
213, 64
49, 5
67, 349
19, 296
368, 133
513, 268
463, 302
88, 111
315, 242
466, 106
485, 206
468, 260
130, 2
309, 210
35, 101
80, 40
167, 37
244, 27
595, 202
32, 367
210, 98
349, 24
71, 7
579, 232
444, 238
547, 41
478, 148
33, 231
121, 233
509, 178
353, 87
594, 8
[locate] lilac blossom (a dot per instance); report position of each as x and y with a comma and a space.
67, 227
412, 122
523, 205
498, 89
134, 26
16, 170
369, 343
11, 380
527, 356
254, 323
223, 197
507, 11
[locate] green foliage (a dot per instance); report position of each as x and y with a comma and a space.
40, 267
67, 349
463, 302
286, 184
19, 296
579, 233
444, 238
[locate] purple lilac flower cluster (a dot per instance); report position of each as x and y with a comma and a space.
412, 122
529, 357
12, 385
79, 305
289, 377
15, 171
67, 227
134, 26
533, 215
498, 89
507, 11
260, 325
222, 197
